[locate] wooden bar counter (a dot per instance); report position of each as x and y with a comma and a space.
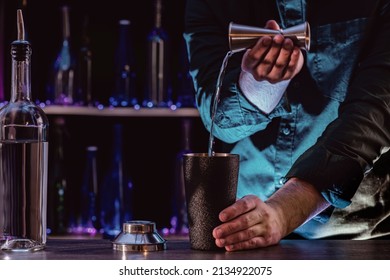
179, 249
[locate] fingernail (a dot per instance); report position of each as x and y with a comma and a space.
217, 233
229, 248
267, 41
288, 44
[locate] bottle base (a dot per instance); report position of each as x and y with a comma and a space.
21, 245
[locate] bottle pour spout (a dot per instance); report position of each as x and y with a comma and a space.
20, 25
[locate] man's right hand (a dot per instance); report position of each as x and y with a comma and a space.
273, 59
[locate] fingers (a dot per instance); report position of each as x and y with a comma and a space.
239, 217
240, 207
281, 59
260, 50
295, 60
272, 24
273, 59
247, 224
255, 233
253, 56
270, 59
253, 243
236, 227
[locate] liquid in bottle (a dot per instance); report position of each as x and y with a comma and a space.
23, 158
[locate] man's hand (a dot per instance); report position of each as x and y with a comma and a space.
273, 60
251, 223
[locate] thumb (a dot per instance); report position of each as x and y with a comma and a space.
272, 24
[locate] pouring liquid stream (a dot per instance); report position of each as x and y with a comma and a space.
221, 74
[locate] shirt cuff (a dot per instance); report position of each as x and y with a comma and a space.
262, 94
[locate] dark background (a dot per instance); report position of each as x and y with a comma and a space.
150, 145
43, 27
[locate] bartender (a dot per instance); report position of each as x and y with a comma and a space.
312, 127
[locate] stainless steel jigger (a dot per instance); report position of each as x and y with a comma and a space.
242, 37
139, 236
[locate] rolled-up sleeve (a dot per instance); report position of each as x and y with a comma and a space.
349, 146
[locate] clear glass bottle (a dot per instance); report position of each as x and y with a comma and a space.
23, 158
63, 70
116, 198
158, 89
124, 91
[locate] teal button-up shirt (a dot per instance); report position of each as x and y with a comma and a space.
333, 121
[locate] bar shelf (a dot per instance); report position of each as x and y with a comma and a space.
55, 110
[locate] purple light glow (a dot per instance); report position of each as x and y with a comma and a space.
83, 231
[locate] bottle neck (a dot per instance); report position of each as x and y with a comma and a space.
157, 19
65, 23
21, 75
65, 34
123, 43
123, 64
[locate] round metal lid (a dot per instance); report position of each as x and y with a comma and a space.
139, 227
139, 236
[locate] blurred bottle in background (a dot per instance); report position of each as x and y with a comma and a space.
116, 195
57, 192
83, 93
158, 91
124, 94
62, 85
89, 220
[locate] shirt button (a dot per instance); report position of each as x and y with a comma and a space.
281, 181
286, 130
